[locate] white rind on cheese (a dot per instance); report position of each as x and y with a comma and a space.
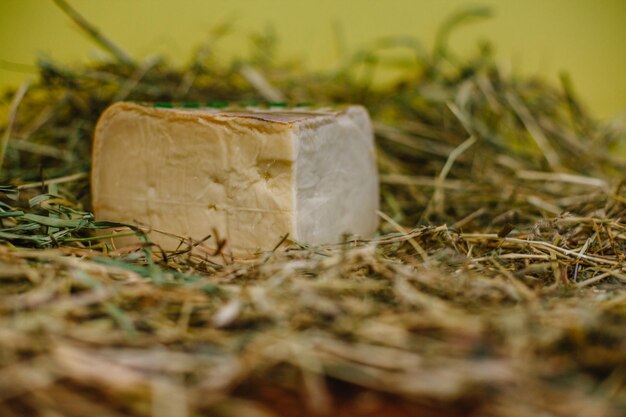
336, 181
250, 176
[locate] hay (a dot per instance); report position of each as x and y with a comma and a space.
495, 287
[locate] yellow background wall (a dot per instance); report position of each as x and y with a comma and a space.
585, 37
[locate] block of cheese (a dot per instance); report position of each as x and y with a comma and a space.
248, 174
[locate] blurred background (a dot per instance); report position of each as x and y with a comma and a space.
586, 38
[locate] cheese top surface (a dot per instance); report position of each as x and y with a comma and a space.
278, 114
249, 175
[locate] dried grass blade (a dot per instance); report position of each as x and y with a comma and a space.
15, 104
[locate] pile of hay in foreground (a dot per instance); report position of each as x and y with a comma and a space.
495, 287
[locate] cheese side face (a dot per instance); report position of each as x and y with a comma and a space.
336, 178
248, 176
